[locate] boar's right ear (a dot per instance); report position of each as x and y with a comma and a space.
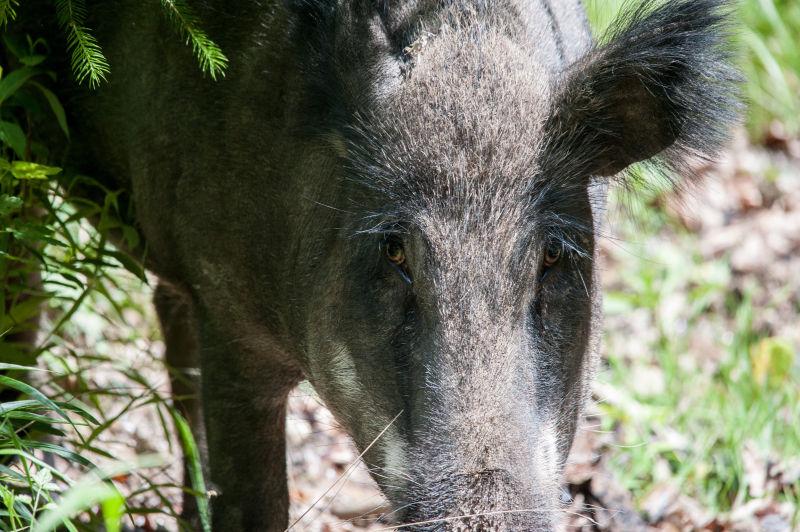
661, 84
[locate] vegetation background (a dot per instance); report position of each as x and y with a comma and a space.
696, 418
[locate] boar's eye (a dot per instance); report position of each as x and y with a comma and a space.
552, 254
396, 255
394, 251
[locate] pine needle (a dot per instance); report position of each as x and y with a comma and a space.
209, 55
88, 61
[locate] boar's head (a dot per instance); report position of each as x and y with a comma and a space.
458, 309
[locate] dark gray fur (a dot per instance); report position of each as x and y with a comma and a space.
477, 133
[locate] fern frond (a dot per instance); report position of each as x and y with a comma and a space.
88, 61
7, 11
209, 55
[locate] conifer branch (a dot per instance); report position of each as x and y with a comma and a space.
209, 55
88, 61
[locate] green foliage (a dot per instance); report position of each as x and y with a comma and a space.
31, 487
7, 11
88, 61
192, 456
212, 60
92, 490
53, 264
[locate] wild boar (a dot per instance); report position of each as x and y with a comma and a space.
400, 201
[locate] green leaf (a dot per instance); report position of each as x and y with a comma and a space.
35, 394
43, 427
21, 312
16, 45
43, 477
129, 263
113, 510
25, 404
18, 367
32, 405
29, 170
192, 456
9, 204
63, 452
131, 236
28, 416
32, 60
55, 105
13, 136
82, 497
16, 79
34, 233
771, 362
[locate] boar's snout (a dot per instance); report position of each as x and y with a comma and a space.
488, 500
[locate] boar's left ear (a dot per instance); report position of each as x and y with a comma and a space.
661, 84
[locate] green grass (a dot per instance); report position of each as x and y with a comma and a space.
89, 484
771, 63
714, 393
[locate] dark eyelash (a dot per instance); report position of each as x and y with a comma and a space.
569, 242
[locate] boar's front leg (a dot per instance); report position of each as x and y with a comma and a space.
244, 403
179, 330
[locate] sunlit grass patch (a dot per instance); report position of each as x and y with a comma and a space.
699, 397
771, 63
